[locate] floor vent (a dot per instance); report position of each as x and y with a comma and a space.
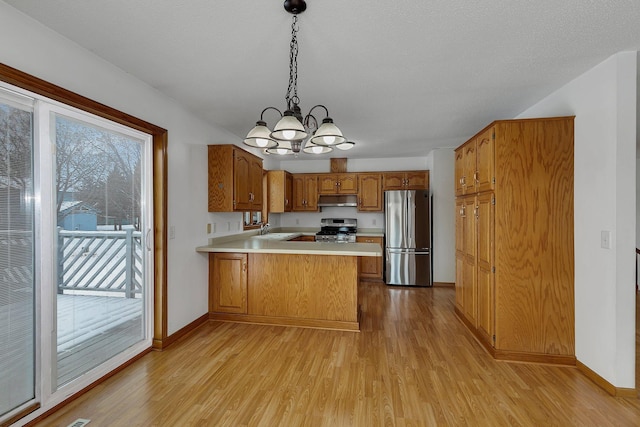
80, 422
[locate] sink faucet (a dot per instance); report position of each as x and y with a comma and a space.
264, 228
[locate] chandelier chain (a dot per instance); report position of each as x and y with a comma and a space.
292, 90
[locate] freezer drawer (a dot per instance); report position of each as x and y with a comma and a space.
408, 268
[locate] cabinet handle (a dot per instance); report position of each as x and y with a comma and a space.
475, 176
244, 266
463, 181
463, 212
286, 202
476, 212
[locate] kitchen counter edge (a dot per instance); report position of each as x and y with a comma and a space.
247, 244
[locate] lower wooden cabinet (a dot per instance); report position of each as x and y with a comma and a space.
228, 283
370, 267
304, 238
317, 291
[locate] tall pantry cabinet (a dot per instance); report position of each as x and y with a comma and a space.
514, 239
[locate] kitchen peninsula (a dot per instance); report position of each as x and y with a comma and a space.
272, 280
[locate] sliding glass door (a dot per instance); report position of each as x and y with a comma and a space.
17, 290
76, 265
99, 241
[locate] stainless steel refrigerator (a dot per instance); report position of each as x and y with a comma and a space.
408, 238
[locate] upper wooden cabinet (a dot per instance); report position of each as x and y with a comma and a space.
475, 164
235, 179
405, 180
370, 192
305, 192
280, 191
337, 183
485, 160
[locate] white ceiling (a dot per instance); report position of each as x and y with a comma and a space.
399, 78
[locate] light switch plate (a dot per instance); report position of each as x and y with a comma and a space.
605, 239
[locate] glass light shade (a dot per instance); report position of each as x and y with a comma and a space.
288, 129
347, 145
316, 149
282, 149
260, 137
328, 134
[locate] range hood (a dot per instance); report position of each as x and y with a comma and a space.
337, 200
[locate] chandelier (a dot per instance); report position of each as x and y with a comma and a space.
291, 131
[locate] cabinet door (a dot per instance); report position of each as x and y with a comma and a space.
370, 267
469, 177
220, 177
369, 192
327, 184
469, 268
348, 183
311, 193
460, 282
241, 183
485, 160
255, 178
299, 190
460, 207
460, 255
459, 171
393, 181
228, 283
418, 180
288, 192
303, 239
485, 275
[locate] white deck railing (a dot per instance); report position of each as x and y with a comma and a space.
100, 261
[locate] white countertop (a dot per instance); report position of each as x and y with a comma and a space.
277, 243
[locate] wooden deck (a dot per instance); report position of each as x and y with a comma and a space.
92, 329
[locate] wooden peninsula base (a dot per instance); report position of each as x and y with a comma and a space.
316, 291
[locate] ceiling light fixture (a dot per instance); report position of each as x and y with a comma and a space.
289, 134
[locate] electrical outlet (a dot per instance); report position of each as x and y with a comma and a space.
208, 228
297, 221
228, 225
172, 232
374, 222
605, 239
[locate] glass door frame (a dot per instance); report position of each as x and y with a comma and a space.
34, 86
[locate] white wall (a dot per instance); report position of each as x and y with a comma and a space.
604, 102
442, 189
39, 51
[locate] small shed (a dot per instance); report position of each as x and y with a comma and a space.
77, 215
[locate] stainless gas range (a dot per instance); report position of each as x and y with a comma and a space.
337, 230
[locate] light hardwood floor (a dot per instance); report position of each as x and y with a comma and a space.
413, 364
